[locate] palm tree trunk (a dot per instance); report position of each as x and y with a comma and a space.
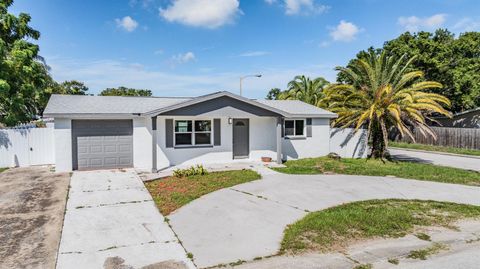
378, 141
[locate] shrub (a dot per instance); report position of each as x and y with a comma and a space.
192, 171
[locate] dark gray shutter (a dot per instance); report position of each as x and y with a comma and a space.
217, 132
309, 127
169, 133
283, 128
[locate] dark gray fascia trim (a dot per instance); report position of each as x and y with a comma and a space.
213, 96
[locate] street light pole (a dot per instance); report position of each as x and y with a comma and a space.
247, 76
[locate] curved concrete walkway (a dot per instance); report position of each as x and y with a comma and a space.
248, 220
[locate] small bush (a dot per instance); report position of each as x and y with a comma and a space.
192, 171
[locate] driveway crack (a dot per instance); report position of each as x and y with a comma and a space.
267, 199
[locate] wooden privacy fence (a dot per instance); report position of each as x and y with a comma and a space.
26, 146
468, 138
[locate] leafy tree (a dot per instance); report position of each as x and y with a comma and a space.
383, 94
453, 62
124, 91
273, 94
23, 73
73, 87
304, 89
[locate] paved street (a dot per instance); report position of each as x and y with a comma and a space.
470, 163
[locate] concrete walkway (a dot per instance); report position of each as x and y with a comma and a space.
470, 163
248, 220
111, 221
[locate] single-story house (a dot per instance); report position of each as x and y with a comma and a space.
466, 119
152, 133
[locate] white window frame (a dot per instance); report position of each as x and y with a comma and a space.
192, 133
295, 128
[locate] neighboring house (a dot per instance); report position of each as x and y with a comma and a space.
465, 119
150, 133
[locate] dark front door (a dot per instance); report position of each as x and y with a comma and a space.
240, 138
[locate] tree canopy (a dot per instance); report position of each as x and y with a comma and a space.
301, 88
124, 91
23, 73
453, 62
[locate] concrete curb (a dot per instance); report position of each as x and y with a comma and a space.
438, 152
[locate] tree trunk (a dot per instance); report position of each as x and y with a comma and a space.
378, 141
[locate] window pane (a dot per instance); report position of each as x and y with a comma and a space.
299, 127
183, 139
289, 127
202, 139
183, 126
203, 126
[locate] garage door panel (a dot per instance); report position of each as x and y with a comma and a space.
110, 148
124, 148
102, 144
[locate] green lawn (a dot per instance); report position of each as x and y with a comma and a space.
474, 152
3, 169
171, 193
371, 167
336, 227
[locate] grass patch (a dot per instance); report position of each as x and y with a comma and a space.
473, 152
3, 169
336, 227
372, 167
393, 261
364, 266
171, 193
423, 236
423, 254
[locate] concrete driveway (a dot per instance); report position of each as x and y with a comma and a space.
32, 203
248, 220
463, 162
111, 222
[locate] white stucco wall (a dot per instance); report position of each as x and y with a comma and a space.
348, 144
262, 143
63, 145
308, 147
142, 143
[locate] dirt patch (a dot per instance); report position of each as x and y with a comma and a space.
32, 205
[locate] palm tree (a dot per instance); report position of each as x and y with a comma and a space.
382, 95
304, 89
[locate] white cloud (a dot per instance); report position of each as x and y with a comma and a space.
344, 31
127, 23
254, 53
201, 13
182, 58
143, 3
101, 74
467, 25
414, 23
270, 1
295, 7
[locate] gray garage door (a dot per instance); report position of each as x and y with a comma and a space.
102, 144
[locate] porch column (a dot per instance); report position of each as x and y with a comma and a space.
279, 140
154, 144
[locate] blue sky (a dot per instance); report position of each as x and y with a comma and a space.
194, 47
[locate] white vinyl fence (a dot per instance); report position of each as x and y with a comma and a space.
348, 144
25, 147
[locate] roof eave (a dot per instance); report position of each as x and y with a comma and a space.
92, 115
210, 97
